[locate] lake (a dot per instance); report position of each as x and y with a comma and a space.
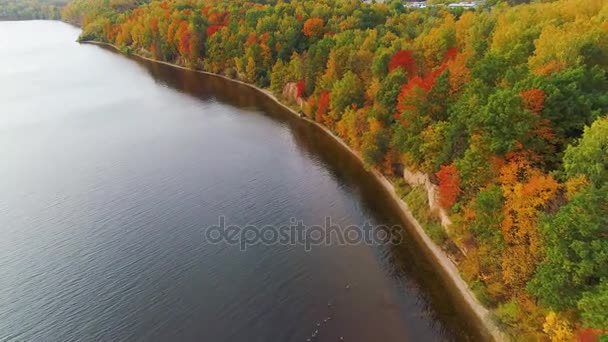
112, 171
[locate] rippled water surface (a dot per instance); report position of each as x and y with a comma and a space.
111, 168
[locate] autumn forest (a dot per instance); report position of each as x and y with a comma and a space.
31, 9
504, 108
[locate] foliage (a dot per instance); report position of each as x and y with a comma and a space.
345, 93
557, 328
593, 307
449, 185
576, 256
590, 156
526, 191
313, 27
404, 60
508, 312
389, 90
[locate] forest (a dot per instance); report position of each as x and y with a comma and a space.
31, 9
503, 107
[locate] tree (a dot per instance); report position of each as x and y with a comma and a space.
250, 70
411, 119
294, 68
593, 306
183, 39
382, 58
534, 100
526, 190
351, 126
557, 328
313, 27
504, 122
317, 57
435, 146
347, 92
277, 77
488, 216
390, 89
573, 98
375, 142
449, 185
459, 73
405, 60
576, 256
474, 166
590, 156
337, 64
562, 45
322, 106
439, 95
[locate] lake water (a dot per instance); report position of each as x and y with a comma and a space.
112, 169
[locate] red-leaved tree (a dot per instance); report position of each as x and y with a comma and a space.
449, 185
300, 88
403, 59
212, 29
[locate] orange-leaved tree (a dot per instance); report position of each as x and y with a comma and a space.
527, 190
313, 27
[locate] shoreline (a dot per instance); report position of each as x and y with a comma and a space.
448, 269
